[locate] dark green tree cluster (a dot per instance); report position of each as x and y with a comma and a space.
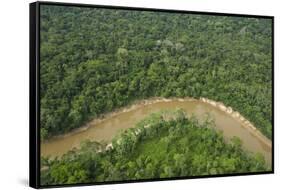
164, 145
96, 60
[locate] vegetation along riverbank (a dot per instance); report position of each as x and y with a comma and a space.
166, 144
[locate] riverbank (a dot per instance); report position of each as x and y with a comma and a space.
133, 106
245, 123
139, 103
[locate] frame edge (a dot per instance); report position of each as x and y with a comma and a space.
33, 127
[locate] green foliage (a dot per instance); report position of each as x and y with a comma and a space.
96, 60
172, 146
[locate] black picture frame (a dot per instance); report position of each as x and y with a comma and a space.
34, 91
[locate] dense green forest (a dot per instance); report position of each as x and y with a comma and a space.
164, 145
95, 60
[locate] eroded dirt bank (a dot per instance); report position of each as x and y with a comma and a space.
232, 123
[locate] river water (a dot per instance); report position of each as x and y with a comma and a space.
107, 128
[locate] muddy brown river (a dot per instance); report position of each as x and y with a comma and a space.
107, 128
